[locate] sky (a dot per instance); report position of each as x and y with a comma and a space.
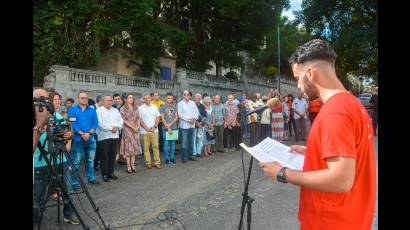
294, 5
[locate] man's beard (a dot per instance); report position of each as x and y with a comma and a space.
310, 90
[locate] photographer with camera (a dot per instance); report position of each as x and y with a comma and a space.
41, 169
41, 115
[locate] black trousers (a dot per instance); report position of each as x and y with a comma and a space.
108, 154
228, 138
237, 136
291, 126
254, 131
266, 131
160, 137
219, 138
42, 176
232, 137
97, 153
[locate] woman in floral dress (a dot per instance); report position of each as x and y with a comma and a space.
130, 141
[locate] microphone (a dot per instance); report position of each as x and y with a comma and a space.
258, 110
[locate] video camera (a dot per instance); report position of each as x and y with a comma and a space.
57, 126
42, 102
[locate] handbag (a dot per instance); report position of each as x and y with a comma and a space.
210, 134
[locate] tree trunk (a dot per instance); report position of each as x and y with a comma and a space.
218, 69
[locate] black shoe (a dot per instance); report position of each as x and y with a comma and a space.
97, 167
167, 162
94, 182
112, 176
192, 159
183, 161
106, 178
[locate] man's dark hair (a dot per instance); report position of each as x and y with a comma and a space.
70, 100
315, 49
116, 95
169, 94
91, 101
98, 98
189, 92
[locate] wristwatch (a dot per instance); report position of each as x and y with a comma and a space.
281, 177
38, 129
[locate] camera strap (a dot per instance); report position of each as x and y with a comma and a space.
41, 148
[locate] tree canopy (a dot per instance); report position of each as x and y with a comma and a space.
351, 27
75, 33
198, 32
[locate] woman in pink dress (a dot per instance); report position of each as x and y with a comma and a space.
130, 141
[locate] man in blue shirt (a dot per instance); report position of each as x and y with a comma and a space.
83, 141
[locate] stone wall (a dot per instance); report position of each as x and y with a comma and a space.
70, 81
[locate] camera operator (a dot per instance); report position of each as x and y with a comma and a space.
41, 117
42, 171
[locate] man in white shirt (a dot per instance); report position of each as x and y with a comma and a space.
299, 107
109, 124
188, 113
149, 131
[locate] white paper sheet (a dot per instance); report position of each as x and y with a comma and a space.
270, 150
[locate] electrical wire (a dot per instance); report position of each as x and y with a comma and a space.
168, 215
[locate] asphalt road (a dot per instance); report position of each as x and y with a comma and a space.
206, 194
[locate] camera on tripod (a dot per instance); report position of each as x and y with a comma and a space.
58, 131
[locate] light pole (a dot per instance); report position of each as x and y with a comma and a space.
278, 60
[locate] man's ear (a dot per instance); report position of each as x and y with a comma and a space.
310, 73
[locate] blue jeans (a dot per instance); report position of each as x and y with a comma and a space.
79, 149
166, 143
199, 140
187, 142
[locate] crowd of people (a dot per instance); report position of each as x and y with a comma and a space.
339, 165
116, 129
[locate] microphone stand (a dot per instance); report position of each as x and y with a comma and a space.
247, 200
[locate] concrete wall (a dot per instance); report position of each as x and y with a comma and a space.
70, 81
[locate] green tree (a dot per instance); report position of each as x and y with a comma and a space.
291, 35
221, 29
74, 33
351, 27
66, 33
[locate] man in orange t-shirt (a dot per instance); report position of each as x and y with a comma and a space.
314, 108
338, 181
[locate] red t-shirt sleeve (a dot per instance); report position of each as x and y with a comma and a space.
337, 136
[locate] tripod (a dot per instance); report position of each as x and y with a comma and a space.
60, 184
59, 179
247, 200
